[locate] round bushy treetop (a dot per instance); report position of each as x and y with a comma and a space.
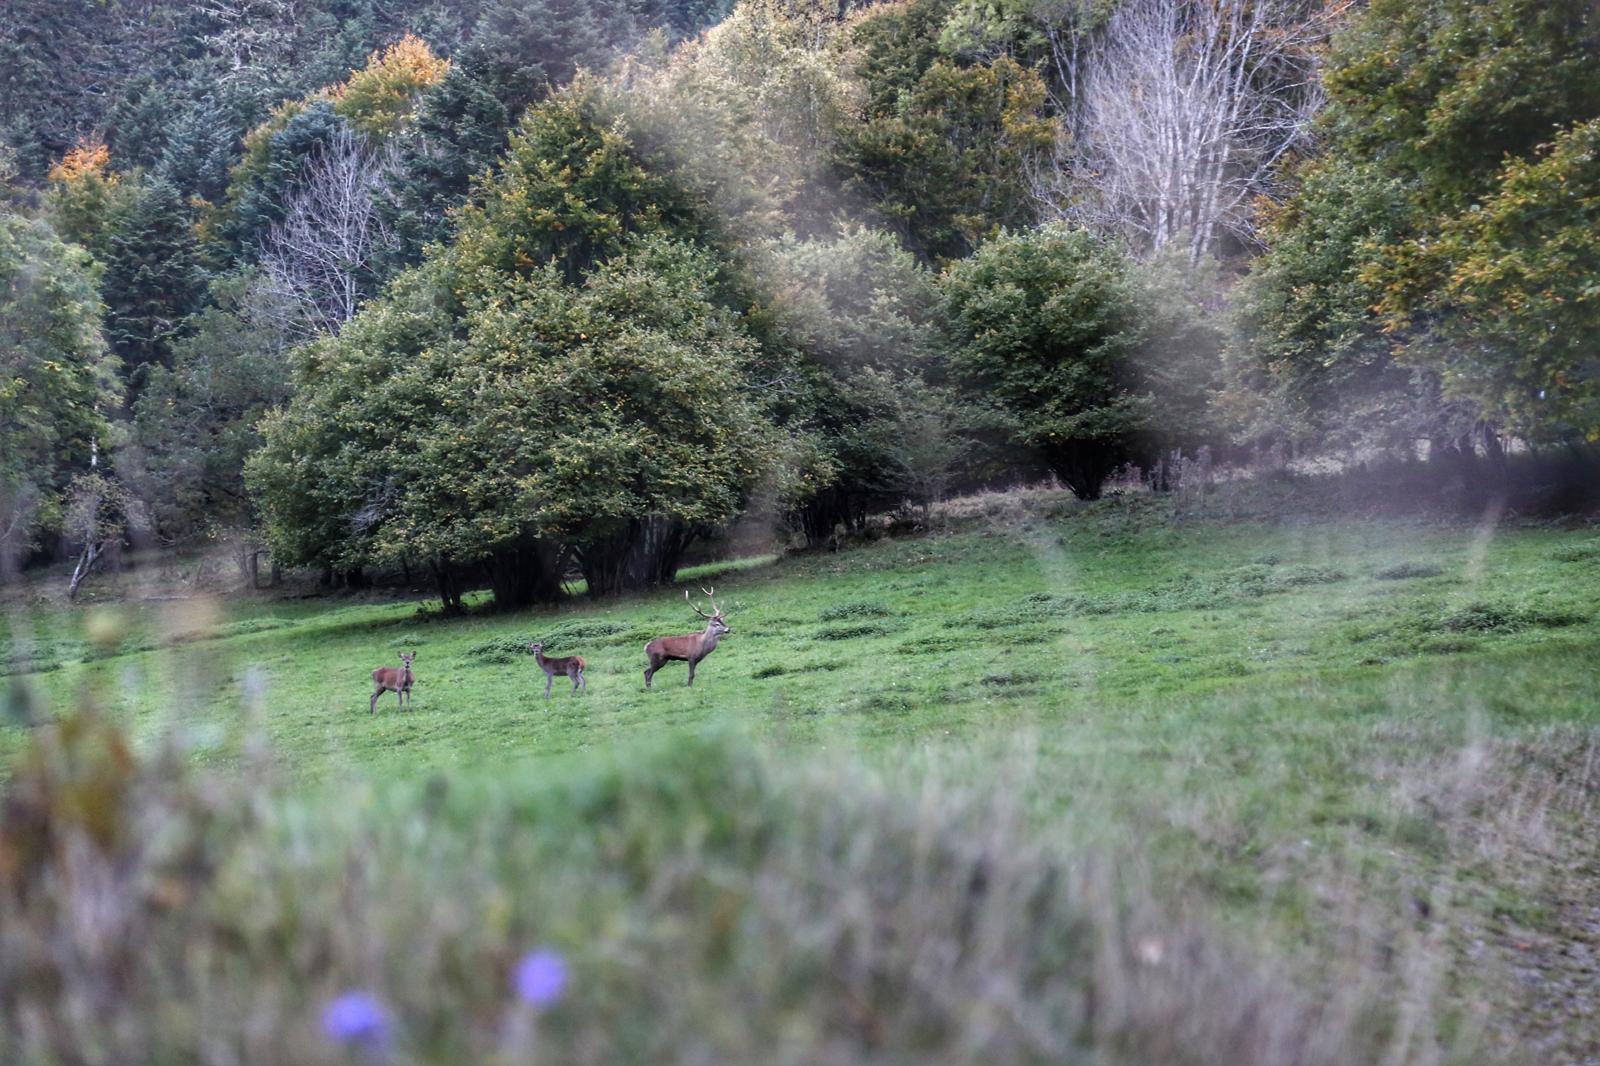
577, 410
855, 300
57, 378
550, 411
572, 190
1044, 324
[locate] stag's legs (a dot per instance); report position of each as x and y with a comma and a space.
691, 671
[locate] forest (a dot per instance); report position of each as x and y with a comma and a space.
800, 532
493, 292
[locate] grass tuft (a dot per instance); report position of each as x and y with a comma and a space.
1407, 571
865, 629
854, 609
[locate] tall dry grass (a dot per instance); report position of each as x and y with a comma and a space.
714, 905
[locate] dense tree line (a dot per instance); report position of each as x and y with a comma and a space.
503, 289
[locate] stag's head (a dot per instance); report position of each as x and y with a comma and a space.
715, 623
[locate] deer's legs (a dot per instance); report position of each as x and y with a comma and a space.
372, 706
691, 671
576, 676
583, 681
549, 679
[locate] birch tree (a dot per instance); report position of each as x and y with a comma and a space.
1182, 111
318, 261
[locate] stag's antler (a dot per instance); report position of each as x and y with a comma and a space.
715, 613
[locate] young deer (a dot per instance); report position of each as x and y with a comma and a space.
571, 666
388, 679
688, 649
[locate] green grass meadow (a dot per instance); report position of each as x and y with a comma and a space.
1358, 754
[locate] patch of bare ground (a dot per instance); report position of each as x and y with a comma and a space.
1523, 816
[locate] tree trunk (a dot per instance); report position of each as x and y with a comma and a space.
1083, 466
86, 560
447, 580
645, 554
525, 573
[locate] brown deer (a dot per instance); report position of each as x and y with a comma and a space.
570, 666
690, 648
388, 679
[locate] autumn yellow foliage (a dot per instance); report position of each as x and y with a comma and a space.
85, 159
378, 98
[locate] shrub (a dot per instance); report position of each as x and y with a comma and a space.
500, 650
1406, 571
1045, 324
1577, 553
1488, 618
857, 609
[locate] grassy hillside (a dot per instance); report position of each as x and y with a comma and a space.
1015, 619
1359, 750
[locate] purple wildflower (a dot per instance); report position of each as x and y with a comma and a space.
356, 1018
541, 977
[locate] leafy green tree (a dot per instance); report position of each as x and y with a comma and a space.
152, 280
195, 421
58, 381
519, 53
381, 97
640, 427
1312, 364
861, 314
1046, 326
613, 418
943, 150
1432, 108
85, 197
573, 189
1507, 293
1441, 92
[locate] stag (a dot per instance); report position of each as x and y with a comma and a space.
570, 666
690, 648
389, 679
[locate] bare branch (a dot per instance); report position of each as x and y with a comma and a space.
318, 260
1183, 111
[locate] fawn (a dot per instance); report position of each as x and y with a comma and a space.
388, 679
570, 665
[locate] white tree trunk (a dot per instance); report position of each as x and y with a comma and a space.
1181, 111
317, 260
